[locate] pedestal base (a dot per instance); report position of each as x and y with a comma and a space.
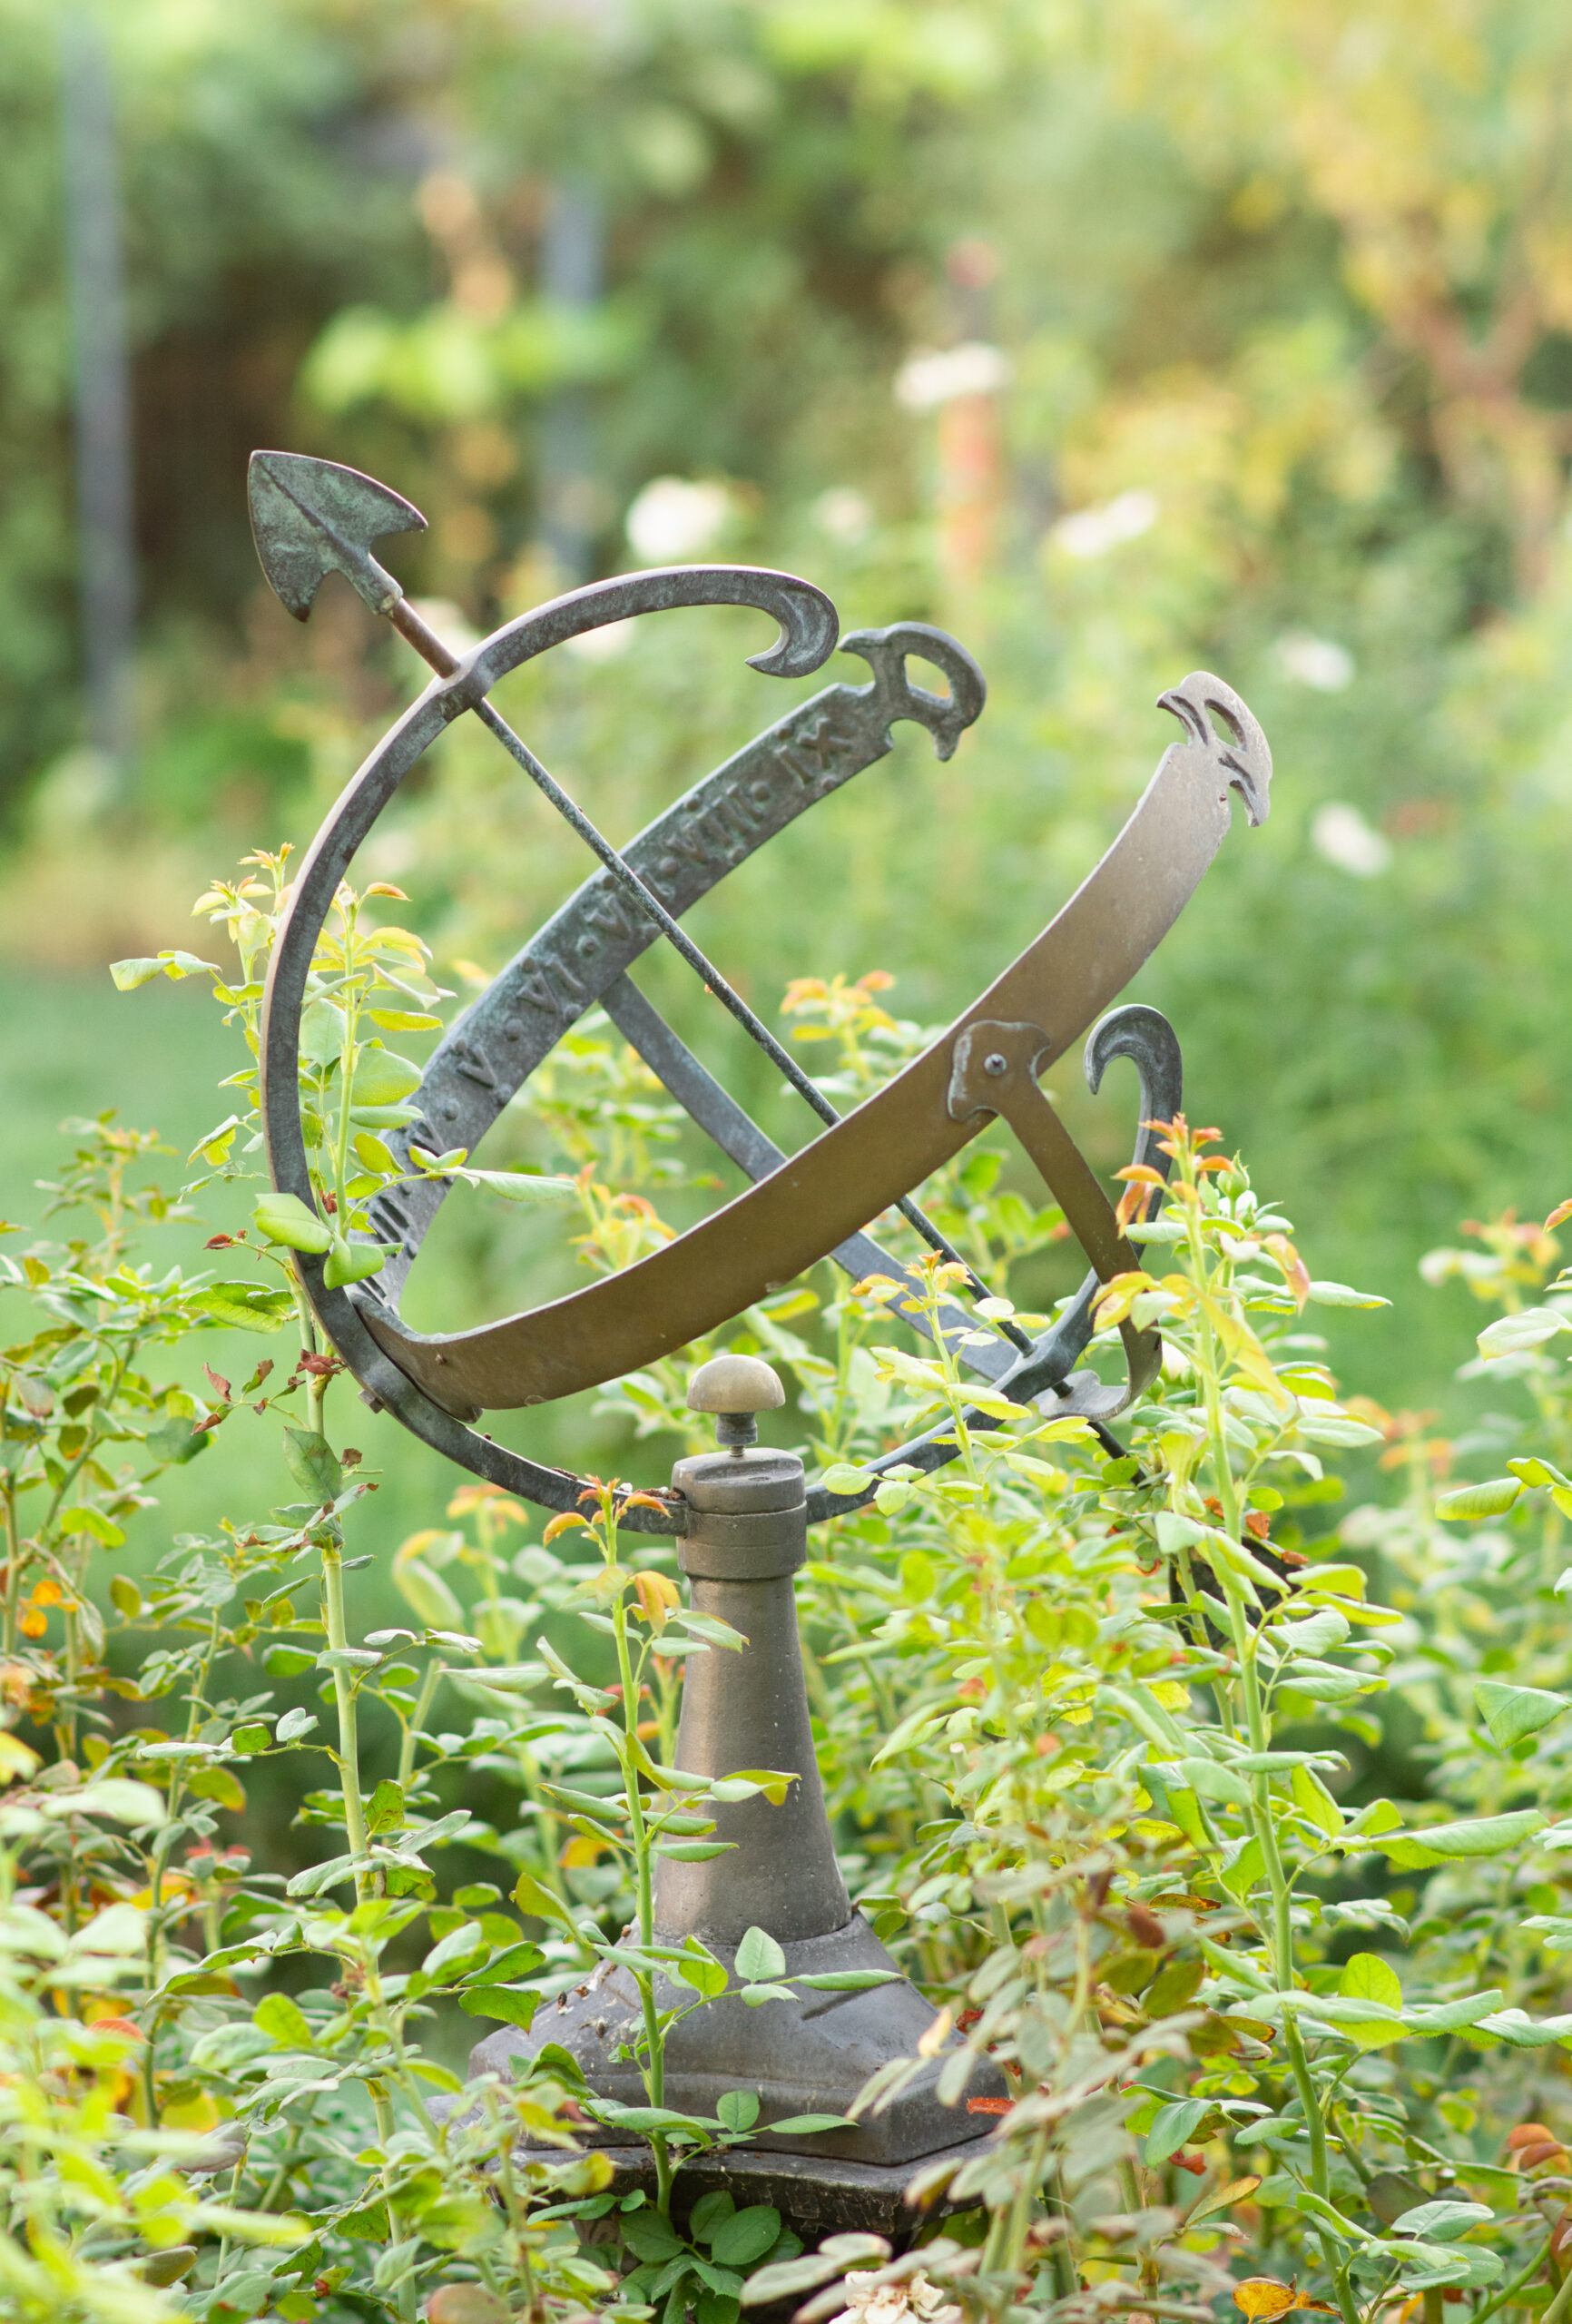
816, 2195
809, 2055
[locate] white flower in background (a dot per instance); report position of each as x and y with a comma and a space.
1093, 532
933, 376
605, 645
671, 519
916, 2302
844, 515
1317, 662
1341, 834
446, 619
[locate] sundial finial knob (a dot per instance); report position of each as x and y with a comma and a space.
735, 1387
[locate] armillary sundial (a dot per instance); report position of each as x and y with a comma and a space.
740, 1516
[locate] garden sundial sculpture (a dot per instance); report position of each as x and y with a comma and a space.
740, 1516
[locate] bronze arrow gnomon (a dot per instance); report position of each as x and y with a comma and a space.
312, 517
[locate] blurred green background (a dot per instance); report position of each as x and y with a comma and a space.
1121, 339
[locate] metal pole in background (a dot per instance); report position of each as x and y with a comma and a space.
100, 380
571, 272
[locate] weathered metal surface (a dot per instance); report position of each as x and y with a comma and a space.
312, 517
746, 1538
742, 1513
559, 975
816, 2195
740, 1139
794, 1213
897, 1137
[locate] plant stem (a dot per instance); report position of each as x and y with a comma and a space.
348, 1757
644, 1874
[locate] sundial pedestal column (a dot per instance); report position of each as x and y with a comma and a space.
745, 1709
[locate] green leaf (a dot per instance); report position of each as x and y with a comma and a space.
755, 1997
849, 1981
845, 1477
515, 1961
524, 1185
759, 1958
1215, 1782
1444, 2220
1244, 1865
693, 1851
287, 1662
1465, 1503
93, 1521
243, 1306
385, 1810
746, 2236
1337, 1295
1173, 2125
313, 1463
531, 1895
285, 1219
913, 1729
512, 2004
460, 1945
1367, 1977
805, 2126
1531, 1327
428, 1596
645, 2118
177, 1442
1173, 1988
129, 974
738, 2109
120, 1798
1534, 1472
354, 1261
1481, 1835
1312, 1800
789, 2278
382, 1078
1512, 1712
649, 2235
283, 2021
697, 1967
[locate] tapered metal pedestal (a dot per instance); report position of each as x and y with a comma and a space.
746, 1539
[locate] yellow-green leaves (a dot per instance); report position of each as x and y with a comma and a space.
353, 1262
244, 1307
1529, 1327
421, 1587
1513, 1712
1467, 1504
285, 1219
129, 974
1476, 1835
1367, 1977
382, 1078
1312, 1800
283, 2021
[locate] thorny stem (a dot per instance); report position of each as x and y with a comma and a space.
1258, 1728
435, 1671
643, 1873
348, 1753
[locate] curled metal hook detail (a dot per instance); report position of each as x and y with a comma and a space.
1044, 1377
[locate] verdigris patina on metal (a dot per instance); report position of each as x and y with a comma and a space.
740, 1515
